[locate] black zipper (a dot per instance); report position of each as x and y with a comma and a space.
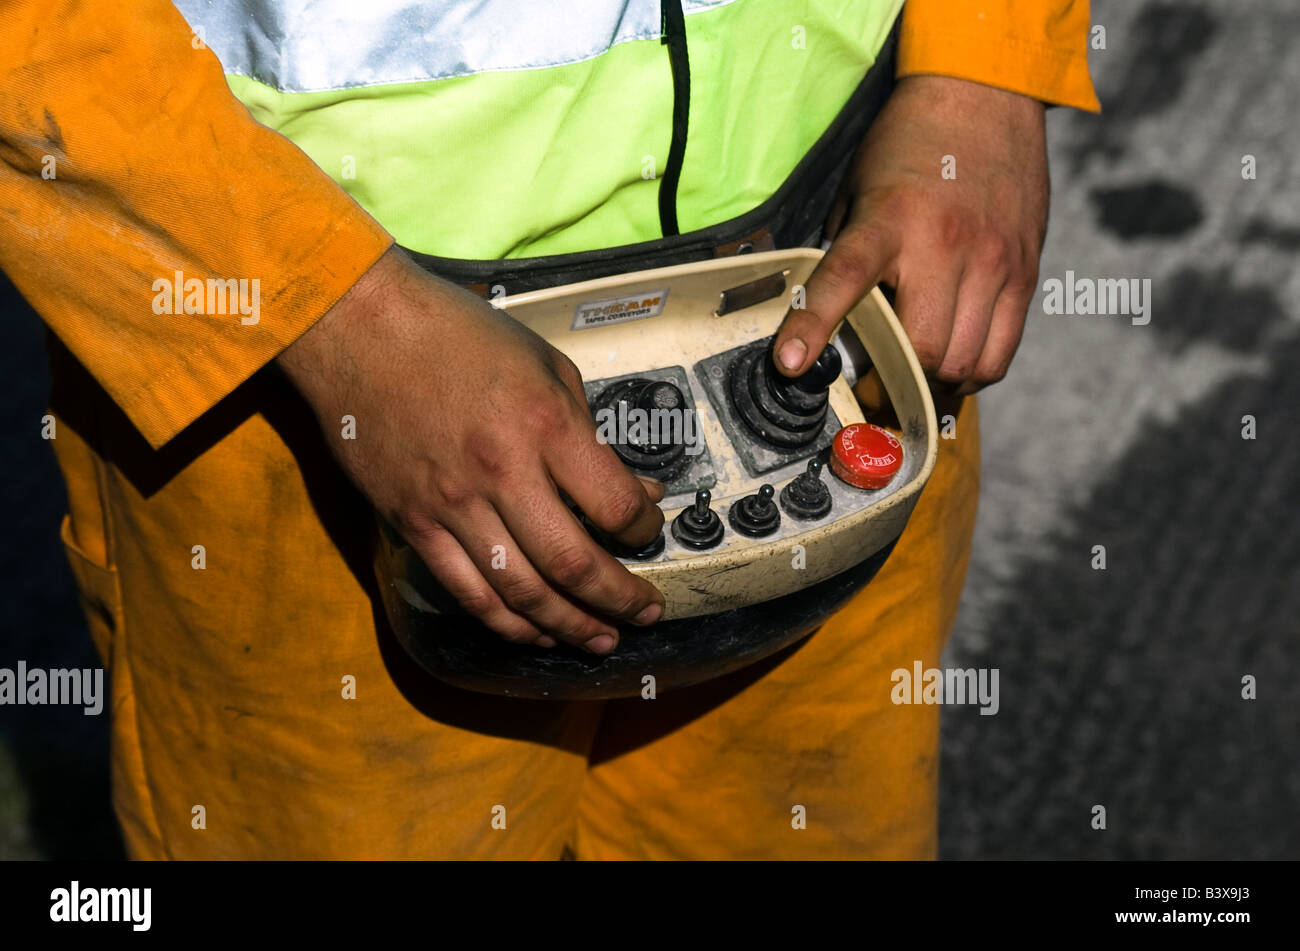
673, 35
794, 212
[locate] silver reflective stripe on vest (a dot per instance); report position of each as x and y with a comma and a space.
315, 45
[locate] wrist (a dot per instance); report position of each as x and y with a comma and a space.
316, 355
963, 95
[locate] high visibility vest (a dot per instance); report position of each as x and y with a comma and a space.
489, 129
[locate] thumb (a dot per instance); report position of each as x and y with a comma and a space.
852, 266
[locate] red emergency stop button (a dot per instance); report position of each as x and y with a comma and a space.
866, 456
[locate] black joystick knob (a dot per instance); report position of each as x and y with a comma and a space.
756, 515
662, 432
784, 412
659, 394
806, 394
644, 423
824, 371
806, 497
698, 526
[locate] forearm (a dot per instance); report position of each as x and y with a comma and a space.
125, 160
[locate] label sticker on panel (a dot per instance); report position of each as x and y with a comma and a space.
617, 310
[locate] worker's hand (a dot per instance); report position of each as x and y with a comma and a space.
467, 426
962, 251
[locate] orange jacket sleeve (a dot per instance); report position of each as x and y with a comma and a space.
1035, 47
125, 158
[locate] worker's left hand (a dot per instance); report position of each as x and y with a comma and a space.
962, 251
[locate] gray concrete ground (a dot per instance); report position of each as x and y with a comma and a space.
1122, 687
1119, 687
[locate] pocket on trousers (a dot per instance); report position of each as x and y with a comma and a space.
97, 589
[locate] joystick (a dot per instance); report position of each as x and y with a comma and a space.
756, 515
806, 497
787, 413
647, 417
698, 526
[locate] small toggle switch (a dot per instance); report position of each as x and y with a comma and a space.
756, 515
698, 526
653, 550
619, 550
806, 497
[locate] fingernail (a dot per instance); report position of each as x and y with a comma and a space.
545, 640
792, 353
652, 485
649, 614
600, 644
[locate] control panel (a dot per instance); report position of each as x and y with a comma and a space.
772, 484
781, 499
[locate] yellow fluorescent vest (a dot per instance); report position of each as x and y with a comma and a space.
504, 128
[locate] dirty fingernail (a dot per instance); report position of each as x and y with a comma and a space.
792, 353
600, 644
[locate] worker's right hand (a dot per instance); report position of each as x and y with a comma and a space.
467, 427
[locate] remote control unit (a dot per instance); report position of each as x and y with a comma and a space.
781, 501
